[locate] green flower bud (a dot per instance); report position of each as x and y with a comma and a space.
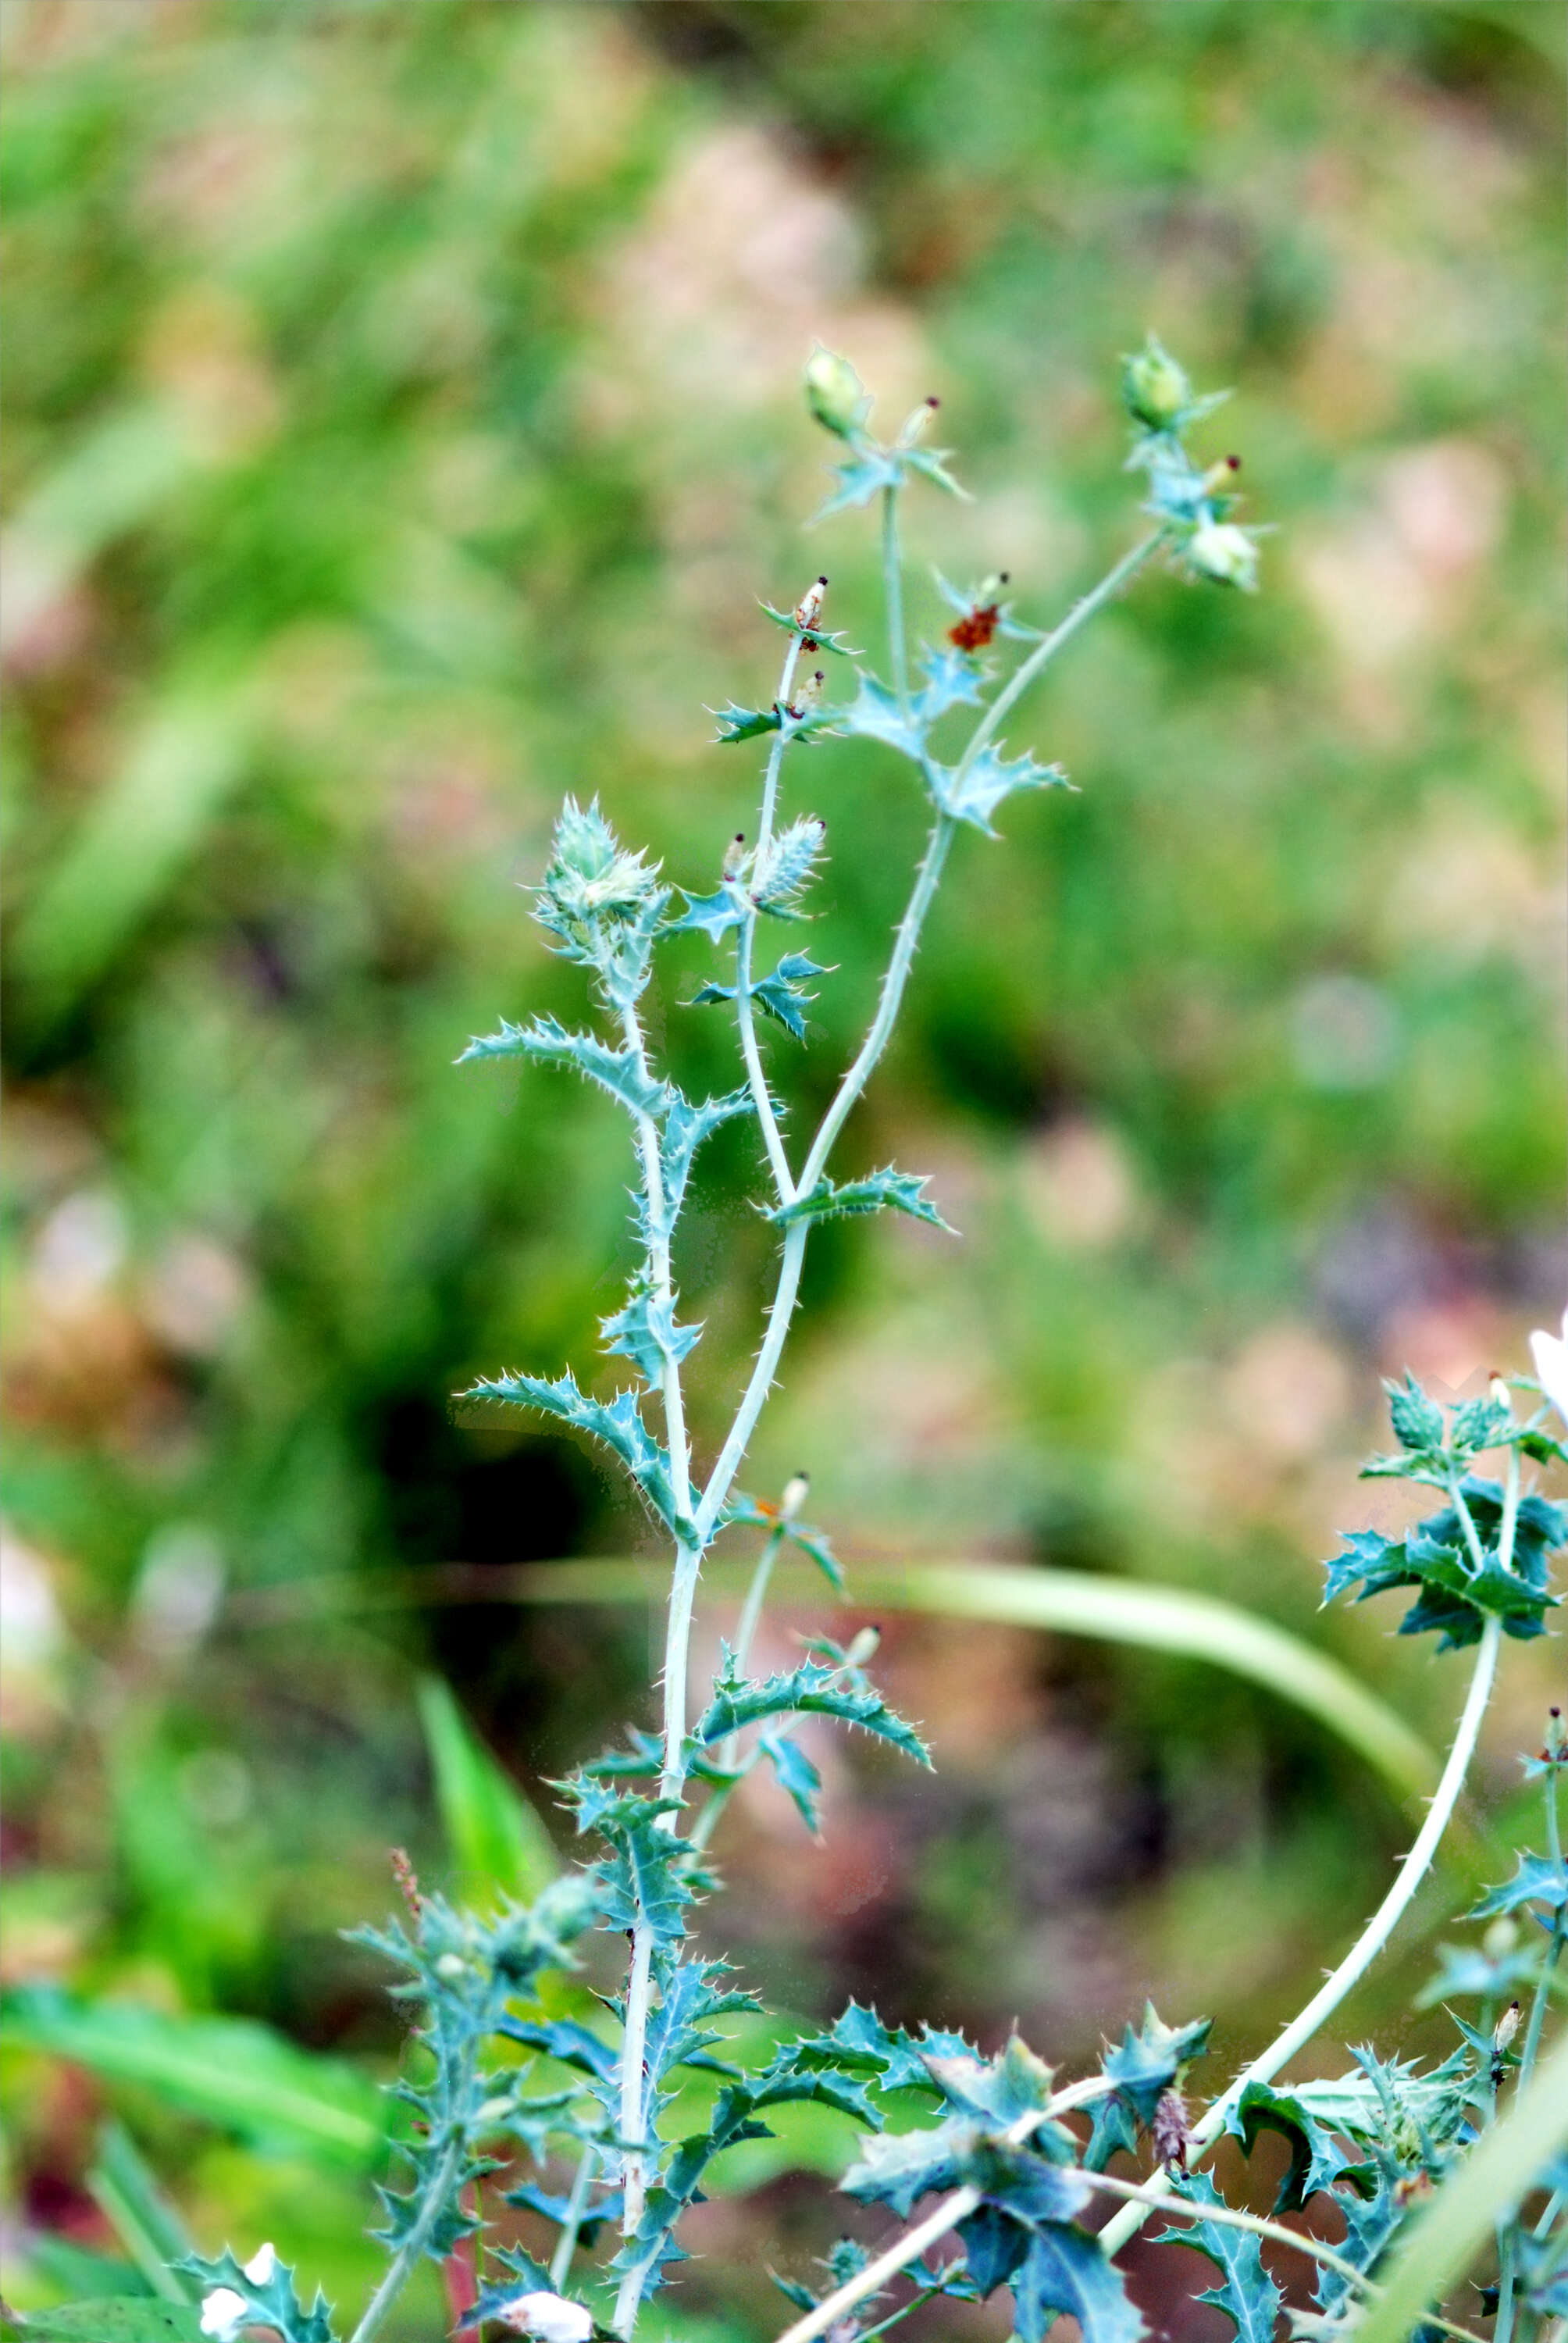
1154, 389
835, 393
1219, 550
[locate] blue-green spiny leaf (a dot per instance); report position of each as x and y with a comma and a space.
618, 1423
878, 1192
972, 792
618, 1071
1247, 2294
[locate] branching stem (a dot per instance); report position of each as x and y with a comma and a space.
412, 2251
893, 591
1365, 1949
745, 1017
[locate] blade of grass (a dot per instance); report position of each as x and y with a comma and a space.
494, 1838
1060, 1602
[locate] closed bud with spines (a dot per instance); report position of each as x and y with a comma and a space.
1226, 555
808, 608
789, 863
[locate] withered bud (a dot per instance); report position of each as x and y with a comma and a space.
735, 855
797, 1489
1506, 2027
1169, 2133
808, 608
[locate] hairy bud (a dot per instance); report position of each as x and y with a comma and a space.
1169, 2131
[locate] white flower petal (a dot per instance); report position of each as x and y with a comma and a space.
262, 2264
1549, 1352
549, 2316
222, 2312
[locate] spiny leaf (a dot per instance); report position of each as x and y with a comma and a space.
1022, 2183
1417, 1421
645, 1331
711, 915
999, 2090
1145, 2064
898, 2168
1317, 2161
796, 1775
1536, 1880
745, 723
1065, 2270
972, 793
618, 1425
1248, 2295
869, 470
952, 679
618, 1071
686, 1126
564, 2039
812, 638
877, 714
642, 1878
878, 1192
779, 995
271, 2302
812, 1690
931, 464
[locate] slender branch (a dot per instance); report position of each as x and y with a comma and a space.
955, 2207
577, 2205
1368, 1944
928, 878
1018, 682
893, 591
744, 1017
1542, 1995
766, 1366
1181, 2208
410, 2253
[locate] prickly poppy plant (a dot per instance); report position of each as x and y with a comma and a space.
993, 2171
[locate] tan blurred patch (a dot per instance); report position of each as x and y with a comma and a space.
741, 261
201, 349
1467, 888
1456, 1345
1078, 1186
1289, 1390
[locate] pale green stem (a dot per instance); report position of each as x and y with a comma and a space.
751, 1611
762, 1379
1368, 1944
1502, 2327
1527, 2056
893, 592
953, 2209
1018, 682
745, 1018
1181, 2208
410, 2253
577, 2205
683, 1588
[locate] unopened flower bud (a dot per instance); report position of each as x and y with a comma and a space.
1220, 474
1155, 390
809, 691
808, 608
862, 1646
1219, 550
451, 1967
1498, 1392
835, 393
797, 1489
1506, 2027
735, 855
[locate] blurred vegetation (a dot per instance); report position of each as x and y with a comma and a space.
402, 424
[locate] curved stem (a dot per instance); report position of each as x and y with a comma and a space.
1181, 2208
744, 1017
928, 878
893, 591
1368, 1944
412, 2251
757, 1389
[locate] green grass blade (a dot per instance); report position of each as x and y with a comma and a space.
1058, 1602
1460, 2218
233, 2071
494, 1838
141, 2217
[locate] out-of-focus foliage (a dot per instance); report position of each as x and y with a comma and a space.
402, 427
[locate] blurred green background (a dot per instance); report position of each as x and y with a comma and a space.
403, 420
